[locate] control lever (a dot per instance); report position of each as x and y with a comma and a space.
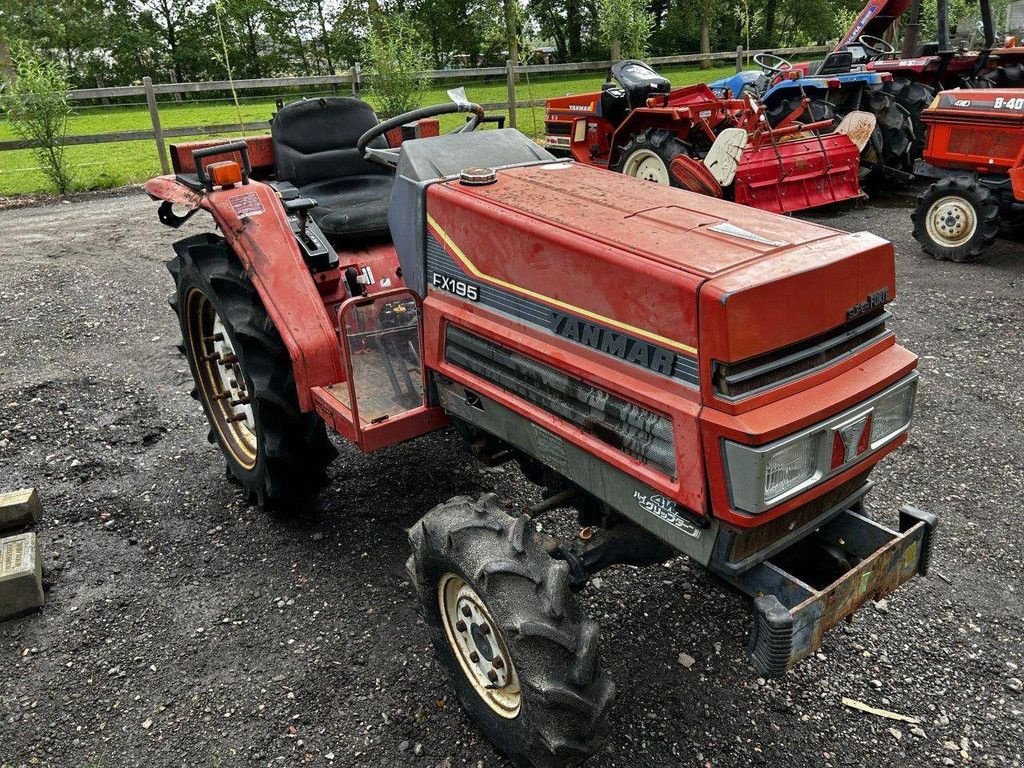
300, 206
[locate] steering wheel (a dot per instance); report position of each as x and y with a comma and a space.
876, 45
769, 62
389, 157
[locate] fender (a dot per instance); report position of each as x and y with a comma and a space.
256, 228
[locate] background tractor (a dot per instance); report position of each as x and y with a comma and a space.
691, 138
975, 155
685, 375
834, 87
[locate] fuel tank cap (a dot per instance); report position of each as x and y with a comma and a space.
477, 177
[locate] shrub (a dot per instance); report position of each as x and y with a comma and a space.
36, 103
397, 57
625, 26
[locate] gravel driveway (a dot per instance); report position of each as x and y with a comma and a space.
185, 629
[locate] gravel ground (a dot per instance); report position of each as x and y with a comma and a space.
185, 629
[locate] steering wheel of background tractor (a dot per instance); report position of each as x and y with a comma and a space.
769, 62
876, 45
389, 157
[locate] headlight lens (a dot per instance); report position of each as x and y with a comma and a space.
789, 466
761, 477
893, 411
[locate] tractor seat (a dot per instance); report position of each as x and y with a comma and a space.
315, 150
836, 63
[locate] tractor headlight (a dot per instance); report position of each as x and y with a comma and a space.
789, 467
892, 413
761, 477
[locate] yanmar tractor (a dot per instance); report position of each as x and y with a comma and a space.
691, 138
685, 374
975, 154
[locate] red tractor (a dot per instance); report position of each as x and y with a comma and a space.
687, 375
975, 154
918, 71
691, 138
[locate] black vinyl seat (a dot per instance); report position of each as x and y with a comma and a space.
315, 150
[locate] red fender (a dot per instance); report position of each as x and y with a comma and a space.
254, 224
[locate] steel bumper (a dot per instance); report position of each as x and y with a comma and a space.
791, 617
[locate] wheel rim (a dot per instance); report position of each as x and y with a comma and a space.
220, 379
645, 164
951, 221
479, 646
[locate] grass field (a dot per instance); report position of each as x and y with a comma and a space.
99, 166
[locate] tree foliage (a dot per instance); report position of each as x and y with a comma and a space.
396, 53
625, 27
37, 107
120, 41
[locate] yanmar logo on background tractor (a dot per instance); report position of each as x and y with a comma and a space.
680, 373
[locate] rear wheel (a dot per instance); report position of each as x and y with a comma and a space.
243, 378
915, 99
891, 142
816, 111
522, 658
648, 154
956, 219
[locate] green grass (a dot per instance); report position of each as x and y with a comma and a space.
100, 166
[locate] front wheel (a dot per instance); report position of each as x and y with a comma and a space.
504, 624
957, 219
648, 154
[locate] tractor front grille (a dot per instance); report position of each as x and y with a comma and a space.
998, 143
636, 431
733, 380
557, 127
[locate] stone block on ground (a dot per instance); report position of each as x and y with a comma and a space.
21, 575
19, 508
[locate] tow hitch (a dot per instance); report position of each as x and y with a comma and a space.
798, 596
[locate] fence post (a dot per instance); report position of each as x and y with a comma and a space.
511, 72
739, 58
356, 83
158, 131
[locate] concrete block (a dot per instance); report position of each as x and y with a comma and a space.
21, 575
19, 508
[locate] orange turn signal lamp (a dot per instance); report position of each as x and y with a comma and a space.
224, 173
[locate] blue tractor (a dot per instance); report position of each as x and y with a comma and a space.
835, 86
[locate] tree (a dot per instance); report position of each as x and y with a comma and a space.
625, 26
396, 53
36, 103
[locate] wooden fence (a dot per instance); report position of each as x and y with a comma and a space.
353, 79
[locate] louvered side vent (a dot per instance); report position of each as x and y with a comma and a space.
635, 431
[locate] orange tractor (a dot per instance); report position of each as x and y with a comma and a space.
682, 374
691, 138
975, 155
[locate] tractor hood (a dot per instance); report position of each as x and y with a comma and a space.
694, 275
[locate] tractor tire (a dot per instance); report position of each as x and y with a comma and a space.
521, 657
1010, 76
915, 98
648, 154
956, 219
888, 153
244, 381
817, 110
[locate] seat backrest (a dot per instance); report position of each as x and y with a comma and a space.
836, 63
315, 140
